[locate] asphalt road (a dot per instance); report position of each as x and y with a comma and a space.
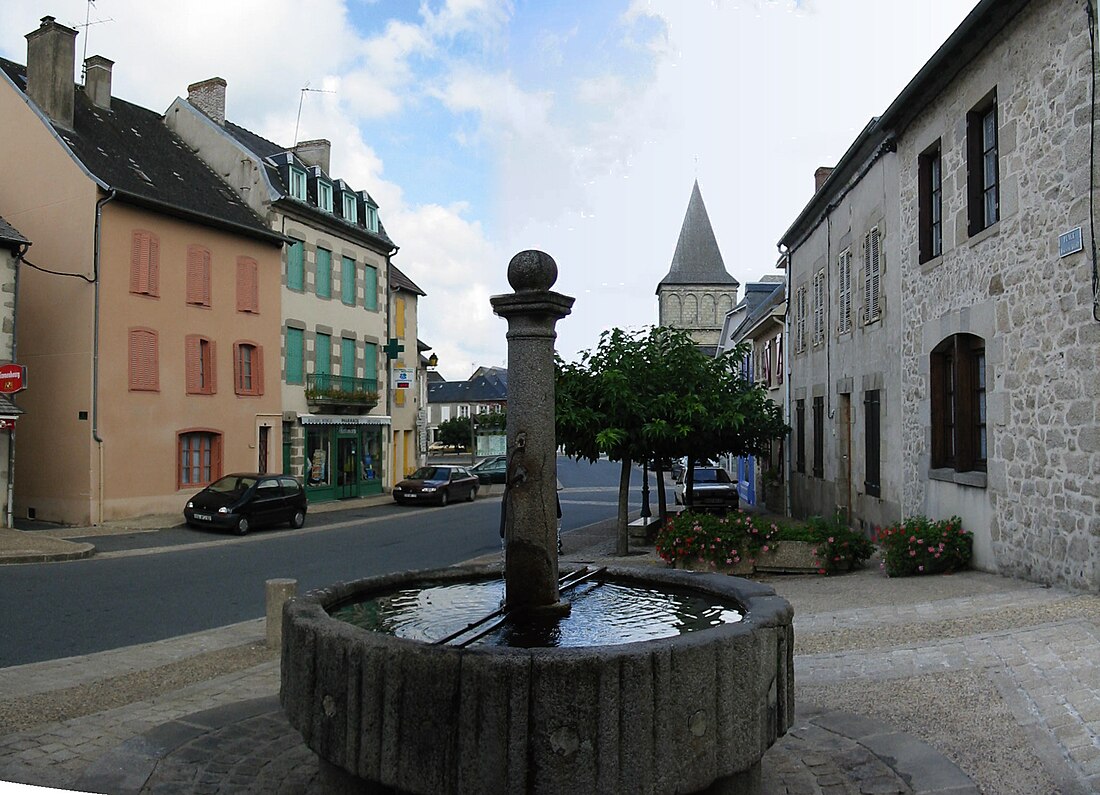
57, 610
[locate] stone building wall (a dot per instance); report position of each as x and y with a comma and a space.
698, 310
1036, 510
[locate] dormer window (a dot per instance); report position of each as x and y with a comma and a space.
372, 217
324, 196
351, 208
297, 183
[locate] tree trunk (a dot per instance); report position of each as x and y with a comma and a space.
689, 484
662, 500
622, 544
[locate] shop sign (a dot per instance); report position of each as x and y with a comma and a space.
403, 378
13, 378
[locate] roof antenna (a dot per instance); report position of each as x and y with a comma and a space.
87, 24
301, 99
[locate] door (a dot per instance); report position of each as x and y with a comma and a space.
844, 479
262, 449
347, 476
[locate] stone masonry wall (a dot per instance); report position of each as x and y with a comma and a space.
1037, 513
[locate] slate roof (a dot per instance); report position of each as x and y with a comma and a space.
130, 149
266, 150
697, 259
481, 389
762, 307
9, 234
399, 281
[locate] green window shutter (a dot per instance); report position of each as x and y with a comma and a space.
347, 281
295, 266
347, 357
322, 363
324, 273
370, 288
370, 361
295, 338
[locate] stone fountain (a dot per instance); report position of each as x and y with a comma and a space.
689, 713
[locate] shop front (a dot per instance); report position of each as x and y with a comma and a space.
343, 455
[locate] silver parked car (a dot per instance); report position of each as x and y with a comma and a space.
712, 490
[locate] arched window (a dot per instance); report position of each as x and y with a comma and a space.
958, 409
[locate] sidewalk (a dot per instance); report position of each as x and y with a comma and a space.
970, 683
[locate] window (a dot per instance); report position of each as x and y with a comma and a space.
370, 287
819, 437
767, 354
930, 203
800, 435
144, 360
323, 283
983, 196
872, 445
351, 208
819, 307
248, 368
347, 357
295, 344
144, 263
347, 281
296, 266
198, 276
248, 285
201, 374
200, 458
297, 183
779, 359
324, 196
844, 273
800, 319
872, 273
322, 354
958, 404
372, 216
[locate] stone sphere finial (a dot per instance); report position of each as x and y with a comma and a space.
532, 270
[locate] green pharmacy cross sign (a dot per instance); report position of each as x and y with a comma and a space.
393, 349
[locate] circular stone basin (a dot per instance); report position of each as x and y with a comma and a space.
675, 714
600, 614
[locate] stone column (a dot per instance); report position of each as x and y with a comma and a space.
530, 530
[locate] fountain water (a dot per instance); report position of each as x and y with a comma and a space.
693, 712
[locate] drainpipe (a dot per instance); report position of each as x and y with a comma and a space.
9, 518
788, 354
95, 347
389, 364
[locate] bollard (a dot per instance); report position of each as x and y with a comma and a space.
276, 593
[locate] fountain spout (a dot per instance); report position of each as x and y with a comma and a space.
530, 525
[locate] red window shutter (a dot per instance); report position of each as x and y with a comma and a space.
192, 352
153, 273
248, 299
198, 276
257, 370
215, 457
238, 369
212, 370
136, 258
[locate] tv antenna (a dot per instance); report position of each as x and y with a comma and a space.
87, 24
301, 99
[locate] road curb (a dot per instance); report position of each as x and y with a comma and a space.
82, 551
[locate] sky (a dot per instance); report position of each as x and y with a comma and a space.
486, 127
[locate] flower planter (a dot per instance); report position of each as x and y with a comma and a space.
789, 557
740, 568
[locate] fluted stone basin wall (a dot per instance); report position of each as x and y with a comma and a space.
659, 716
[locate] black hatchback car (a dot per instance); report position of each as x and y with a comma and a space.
245, 500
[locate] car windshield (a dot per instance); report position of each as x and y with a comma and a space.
711, 476
232, 484
430, 473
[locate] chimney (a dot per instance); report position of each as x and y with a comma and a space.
97, 81
209, 97
820, 176
315, 153
51, 59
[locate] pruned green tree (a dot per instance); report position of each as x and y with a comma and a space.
652, 394
455, 432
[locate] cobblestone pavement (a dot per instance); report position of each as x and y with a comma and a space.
971, 683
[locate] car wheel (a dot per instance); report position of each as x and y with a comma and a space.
471, 494
298, 518
443, 498
242, 526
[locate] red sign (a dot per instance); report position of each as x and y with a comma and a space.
13, 378
7, 425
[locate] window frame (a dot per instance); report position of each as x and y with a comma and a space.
348, 284
322, 342
248, 285
324, 196
800, 319
299, 376
254, 372
983, 176
198, 276
296, 266
200, 365
143, 356
872, 276
298, 183
819, 308
958, 400
372, 217
321, 253
144, 264
930, 202
819, 436
800, 435
211, 442
872, 447
844, 288
351, 208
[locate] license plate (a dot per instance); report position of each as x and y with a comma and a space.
204, 517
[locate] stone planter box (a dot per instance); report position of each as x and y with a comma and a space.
789, 557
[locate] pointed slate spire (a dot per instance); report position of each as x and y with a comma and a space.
697, 259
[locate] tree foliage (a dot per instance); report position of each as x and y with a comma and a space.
455, 432
652, 394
